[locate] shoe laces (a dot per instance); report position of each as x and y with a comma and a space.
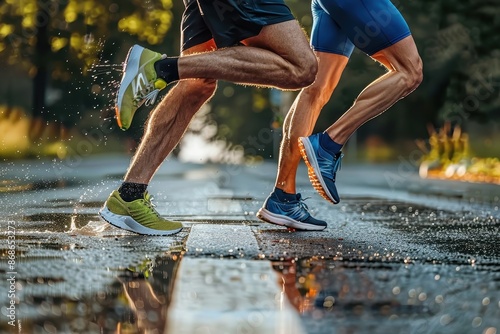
302, 203
148, 201
337, 164
147, 96
150, 98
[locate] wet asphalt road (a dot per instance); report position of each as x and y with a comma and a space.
400, 255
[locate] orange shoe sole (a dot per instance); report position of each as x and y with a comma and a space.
313, 178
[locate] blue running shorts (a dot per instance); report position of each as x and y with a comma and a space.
370, 25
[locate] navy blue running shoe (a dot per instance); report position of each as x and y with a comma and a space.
322, 167
293, 214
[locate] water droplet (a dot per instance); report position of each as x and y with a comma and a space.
477, 321
329, 301
445, 319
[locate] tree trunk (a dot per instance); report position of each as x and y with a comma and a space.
41, 57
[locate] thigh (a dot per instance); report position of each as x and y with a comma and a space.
401, 56
286, 39
372, 25
327, 35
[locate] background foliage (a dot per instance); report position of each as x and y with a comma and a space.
49, 50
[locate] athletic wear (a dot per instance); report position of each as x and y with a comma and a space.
329, 144
130, 191
370, 25
229, 21
138, 216
140, 84
293, 214
168, 69
322, 166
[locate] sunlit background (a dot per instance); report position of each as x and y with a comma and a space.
61, 60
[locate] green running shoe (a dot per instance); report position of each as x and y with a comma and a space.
139, 85
138, 216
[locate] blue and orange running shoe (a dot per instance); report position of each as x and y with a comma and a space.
294, 214
322, 167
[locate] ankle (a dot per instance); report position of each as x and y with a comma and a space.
329, 144
130, 191
167, 69
284, 196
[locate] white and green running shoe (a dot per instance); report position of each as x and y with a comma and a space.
139, 85
138, 216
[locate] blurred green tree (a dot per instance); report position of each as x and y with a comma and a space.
56, 42
459, 48
467, 45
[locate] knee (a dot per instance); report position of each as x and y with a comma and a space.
413, 76
202, 88
304, 72
317, 94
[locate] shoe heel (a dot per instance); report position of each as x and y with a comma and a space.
313, 178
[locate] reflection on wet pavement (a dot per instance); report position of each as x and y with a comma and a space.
392, 267
76, 274
16, 185
133, 303
382, 265
391, 298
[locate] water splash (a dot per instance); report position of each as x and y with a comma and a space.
106, 81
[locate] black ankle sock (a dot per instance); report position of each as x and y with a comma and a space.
130, 191
328, 144
167, 69
283, 196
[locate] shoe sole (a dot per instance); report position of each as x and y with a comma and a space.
281, 220
313, 170
129, 224
131, 66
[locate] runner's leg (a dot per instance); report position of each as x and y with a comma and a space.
405, 74
303, 114
280, 56
169, 121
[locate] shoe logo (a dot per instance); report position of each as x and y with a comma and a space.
138, 83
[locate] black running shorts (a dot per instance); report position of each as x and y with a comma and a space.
229, 21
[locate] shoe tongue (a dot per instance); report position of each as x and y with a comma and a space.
299, 196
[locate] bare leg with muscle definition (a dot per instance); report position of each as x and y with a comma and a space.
404, 75
173, 114
278, 56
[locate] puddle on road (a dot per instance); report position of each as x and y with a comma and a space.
135, 301
78, 274
69, 203
335, 286
456, 232
392, 267
58, 222
390, 298
14, 186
